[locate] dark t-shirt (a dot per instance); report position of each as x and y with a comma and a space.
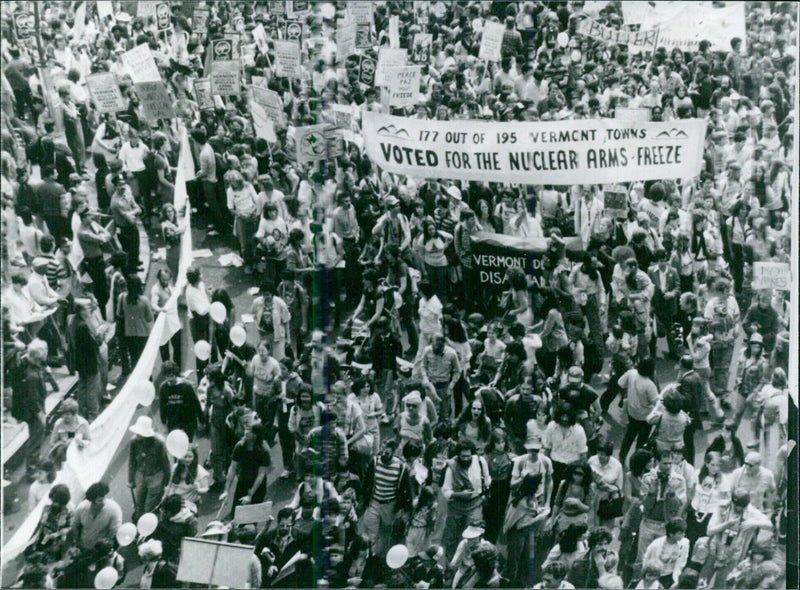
581, 399
249, 461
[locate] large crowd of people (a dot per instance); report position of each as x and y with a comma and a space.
621, 425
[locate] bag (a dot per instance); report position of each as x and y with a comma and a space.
651, 444
610, 507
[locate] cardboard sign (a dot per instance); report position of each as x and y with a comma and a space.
200, 21
155, 100
345, 41
363, 36
615, 201
24, 25
341, 115
212, 563
271, 102
287, 59
202, 92
394, 32
105, 92
293, 30
360, 12
261, 39
259, 81
163, 16
222, 50
491, 41
569, 152
105, 9
311, 143
366, 70
140, 64
146, 8
631, 114
403, 83
389, 58
334, 139
264, 128
238, 24
225, 78
235, 39
636, 41
252, 513
772, 275
421, 49
297, 9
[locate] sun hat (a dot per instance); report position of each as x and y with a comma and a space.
143, 427
473, 531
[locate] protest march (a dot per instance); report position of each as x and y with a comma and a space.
414, 294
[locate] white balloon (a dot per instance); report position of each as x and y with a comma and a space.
147, 523
126, 533
202, 350
144, 392
562, 39
397, 556
106, 578
218, 312
238, 335
177, 443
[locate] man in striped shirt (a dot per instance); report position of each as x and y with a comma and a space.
388, 495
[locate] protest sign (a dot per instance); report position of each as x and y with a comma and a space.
249, 54
287, 59
421, 49
225, 78
200, 21
587, 151
146, 8
389, 58
271, 102
202, 92
360, 12
311, 143
615, 200
235, 40
263, 126
155, 100
259, 81
493, 254
276, 8
293, 30
334, 142
341, 115
105, 92
163, 16
222, 50
366, 70
140, 64
692, 22
394, 32
345, 41
297, 9
105, 9
403, 83
79, 25
238, 24
636, 41
212, 563
772, 275
261, 39
631, 114
363, 36
491, 41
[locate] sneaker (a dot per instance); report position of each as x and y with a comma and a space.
286, 474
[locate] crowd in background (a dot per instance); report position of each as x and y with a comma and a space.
436, 438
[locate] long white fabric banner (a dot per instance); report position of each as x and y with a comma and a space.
84, 467
596, 151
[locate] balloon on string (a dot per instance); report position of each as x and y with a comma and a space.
106, 578
147, 523
126, 533
202, 350
562, 39
144, 392
218, 312
238, 335
177, 443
